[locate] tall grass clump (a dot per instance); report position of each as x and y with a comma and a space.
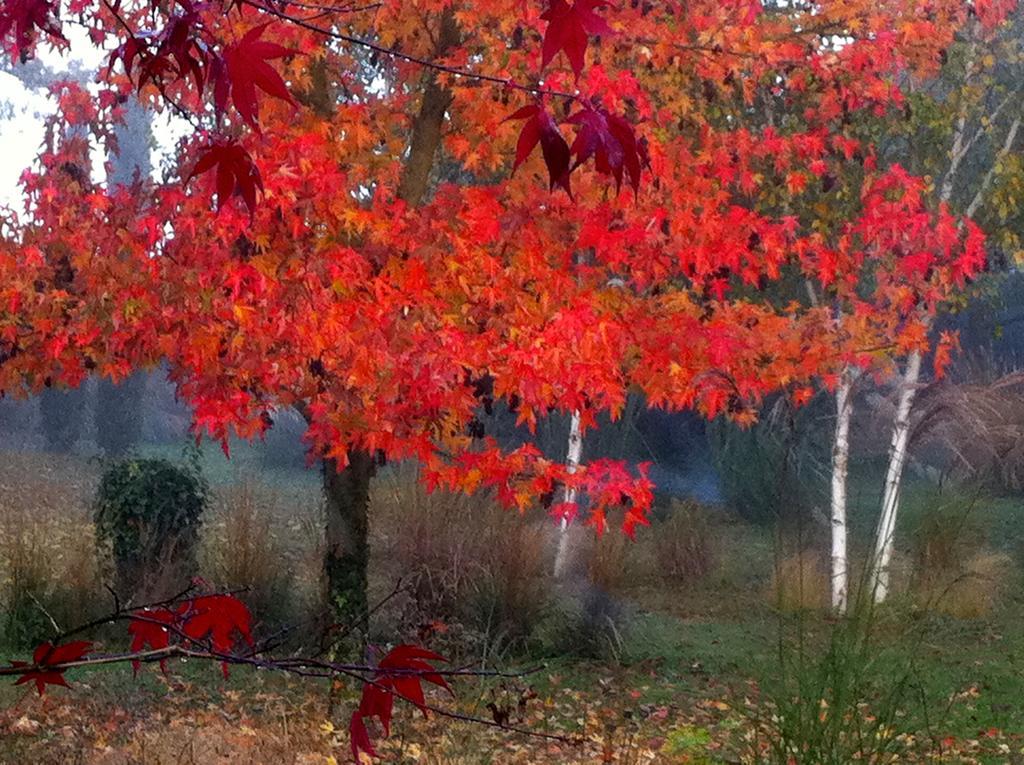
48, 566
463, 560
243, 549
953, 571
686, 543
799, 582
841, 691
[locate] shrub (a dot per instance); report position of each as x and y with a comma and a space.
147, 514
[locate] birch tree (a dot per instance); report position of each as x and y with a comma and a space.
986, 107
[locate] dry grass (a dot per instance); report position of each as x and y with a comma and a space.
47, 561
951, 570
977, 426
242, 548
611, 564
971, 590
678, 552
50, 574
686, 544
462, 558
256, 537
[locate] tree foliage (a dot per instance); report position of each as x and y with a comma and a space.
314, 283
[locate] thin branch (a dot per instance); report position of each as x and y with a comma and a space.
991, 117
47, 614
1011, 136
399, 55
303, 668
470, 718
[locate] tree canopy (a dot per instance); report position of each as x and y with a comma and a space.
392, 214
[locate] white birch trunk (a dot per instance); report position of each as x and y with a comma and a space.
840, 465
885, 533
884, 539
572, 461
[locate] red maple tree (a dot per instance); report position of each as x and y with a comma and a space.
372, 259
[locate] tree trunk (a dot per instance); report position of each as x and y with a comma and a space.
840, 465
426, 129
572, 460
885, 533
347, 495
347, 489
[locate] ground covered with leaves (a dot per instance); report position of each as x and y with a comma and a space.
691, 705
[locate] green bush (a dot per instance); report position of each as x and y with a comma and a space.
147, 514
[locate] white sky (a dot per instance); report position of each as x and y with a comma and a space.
23, 112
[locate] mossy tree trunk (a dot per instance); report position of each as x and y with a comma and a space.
347, 488
346, 558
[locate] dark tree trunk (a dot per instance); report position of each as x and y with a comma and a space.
118, 414
61, 417
347, 490
347, 495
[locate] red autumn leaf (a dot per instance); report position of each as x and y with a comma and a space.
175, 52
25, 16
151, 630
411, 658
244, 69
360, 737
565, 511
540, 128
400, 656
948, 343
569, 27
221, 619
220, 616
378, 701
45, 657
180, 42
401, 672
237, 174
611, 141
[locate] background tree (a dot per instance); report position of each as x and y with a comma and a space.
962, 130
119, 406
